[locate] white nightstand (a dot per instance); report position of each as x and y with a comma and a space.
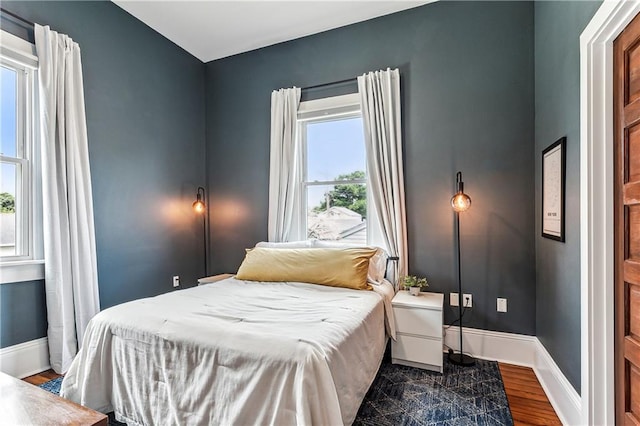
214, 278
418, 330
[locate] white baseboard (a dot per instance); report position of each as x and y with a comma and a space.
510, 348
564, 398
25, 359
526, 351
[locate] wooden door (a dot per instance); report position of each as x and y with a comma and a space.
627, 223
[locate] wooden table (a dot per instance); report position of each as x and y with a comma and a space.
24, 404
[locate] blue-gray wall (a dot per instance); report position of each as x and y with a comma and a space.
24, 312
467, 80
558, 25
145, 117
468, 83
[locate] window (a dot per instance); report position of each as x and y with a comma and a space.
20, 209
334, 193
15, 164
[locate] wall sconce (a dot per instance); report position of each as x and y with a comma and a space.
460, 203
200, 207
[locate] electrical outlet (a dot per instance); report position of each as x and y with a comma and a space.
453, 299
501, 305
467, 300
176, 280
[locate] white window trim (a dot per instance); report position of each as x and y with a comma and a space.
23, 160
325, 106
22, 55
21, 271
335, 107
19, 50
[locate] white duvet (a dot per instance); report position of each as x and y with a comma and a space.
234, 353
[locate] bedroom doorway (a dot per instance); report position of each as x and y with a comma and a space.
626, 101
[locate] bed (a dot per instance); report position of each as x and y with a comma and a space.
235, 352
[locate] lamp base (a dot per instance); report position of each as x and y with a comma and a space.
461, 359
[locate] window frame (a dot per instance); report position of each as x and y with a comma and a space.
28, 262
328, 109
24, 245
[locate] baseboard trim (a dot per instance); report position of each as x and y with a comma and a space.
25, 359
526, 351
510, 348
563, 397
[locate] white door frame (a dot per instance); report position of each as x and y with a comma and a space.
596, 209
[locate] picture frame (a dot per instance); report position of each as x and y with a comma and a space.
553, 190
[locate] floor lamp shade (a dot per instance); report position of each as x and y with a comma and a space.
460, 202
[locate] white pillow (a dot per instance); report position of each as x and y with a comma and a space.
288, 244
377, 264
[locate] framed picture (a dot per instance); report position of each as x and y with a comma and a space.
553, 187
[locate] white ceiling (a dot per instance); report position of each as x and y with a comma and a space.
215, 29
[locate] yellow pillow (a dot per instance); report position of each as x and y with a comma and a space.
344, 267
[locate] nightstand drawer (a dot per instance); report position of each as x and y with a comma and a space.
417, 349
422, 322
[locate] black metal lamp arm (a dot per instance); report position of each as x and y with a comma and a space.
390, 259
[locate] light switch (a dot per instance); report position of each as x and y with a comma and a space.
453, 299
502, 304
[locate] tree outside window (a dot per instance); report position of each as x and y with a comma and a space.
352, 196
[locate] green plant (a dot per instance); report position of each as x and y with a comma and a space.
7, 203
414, 281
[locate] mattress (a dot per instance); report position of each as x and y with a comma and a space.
233, 353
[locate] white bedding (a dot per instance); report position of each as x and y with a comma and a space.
234, 353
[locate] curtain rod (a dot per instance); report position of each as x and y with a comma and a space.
19, 18
333, 83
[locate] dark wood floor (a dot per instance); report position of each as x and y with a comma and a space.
528, 402
40, 378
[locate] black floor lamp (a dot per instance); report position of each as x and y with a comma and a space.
460, 203
200, 207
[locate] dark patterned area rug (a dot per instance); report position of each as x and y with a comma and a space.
460, 396
52, 386
403, 395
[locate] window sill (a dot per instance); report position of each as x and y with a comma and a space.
19, 271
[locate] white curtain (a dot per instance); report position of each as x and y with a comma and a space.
71, 278
285, 172
380, 99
